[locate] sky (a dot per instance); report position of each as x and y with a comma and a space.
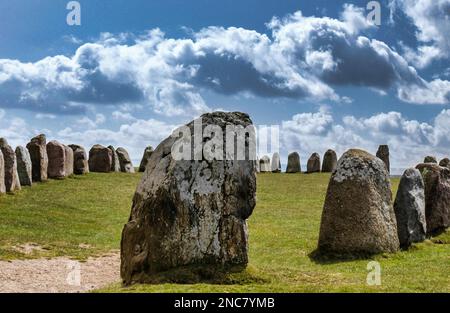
321, 71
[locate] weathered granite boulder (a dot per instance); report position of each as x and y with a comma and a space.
24, 166
293, 165
409, 208
313, 165
264, 164
445, 163
39, 159
80, 160
190, 213
2, 174
329, 161
56, 160
12, 181
437, 196
358, 217
276, 163
147, 154
68, 165
100, 159
126, 166
430, 159
115, 167
383, 154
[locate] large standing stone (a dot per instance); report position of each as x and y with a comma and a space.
409, 208
445, 163
264, 164
313, 165
430, 159
12, 181
190, 212
126, 166
24, 166
383, 154
329, 161
115, 166
437, 196
80, 160
2, 174
293, 165
358, 217
39, 159
56, 160
276, 163
147, 154
100, 159
68, 165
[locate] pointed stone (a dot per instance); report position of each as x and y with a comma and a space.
383, 154
24, 166
409, 208
12, 181
329, 161
115, 167
145, 158
37, 148
293, 165
313, 165
126, 166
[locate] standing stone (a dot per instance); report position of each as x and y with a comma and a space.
437, 197
147, 154
358, 216
276, 163
100, 159
430, 159
293, 165
39, 159
80, 160
56, 160
445, 163
257, 165
409, 208
68, 166
115, 166
12, 181
2, 174
313, 165
126, 166
24, 166
264, 164
329, 161
383, 154
190, 212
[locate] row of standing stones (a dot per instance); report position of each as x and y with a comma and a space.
192, 214
40, 161
265, 164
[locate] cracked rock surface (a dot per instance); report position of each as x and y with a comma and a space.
190, 212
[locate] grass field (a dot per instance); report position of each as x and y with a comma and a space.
90, 211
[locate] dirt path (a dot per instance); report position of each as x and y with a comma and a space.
59, 274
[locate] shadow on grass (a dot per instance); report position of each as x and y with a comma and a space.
201, 274
325, 257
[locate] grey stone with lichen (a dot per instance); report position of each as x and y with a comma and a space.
24, 166
276, 163
409, 208
190, 212
358, 217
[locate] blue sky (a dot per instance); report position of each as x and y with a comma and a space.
318, 69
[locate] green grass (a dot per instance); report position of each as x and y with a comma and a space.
61, 215
283, 232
